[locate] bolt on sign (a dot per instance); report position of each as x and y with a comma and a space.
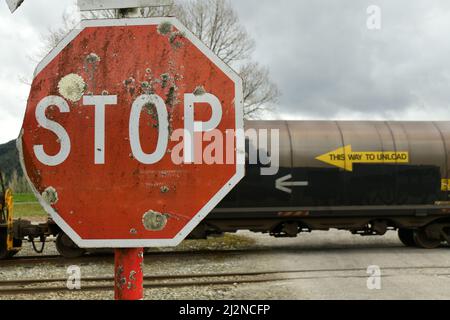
133, 133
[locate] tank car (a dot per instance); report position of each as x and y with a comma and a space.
366, 177
363, 176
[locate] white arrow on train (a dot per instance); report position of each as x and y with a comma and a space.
283, 183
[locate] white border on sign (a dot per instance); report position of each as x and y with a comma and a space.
240, 142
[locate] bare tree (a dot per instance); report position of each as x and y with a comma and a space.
259, 91
217, 24
53, 36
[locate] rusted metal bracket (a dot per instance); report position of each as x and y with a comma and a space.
87, 5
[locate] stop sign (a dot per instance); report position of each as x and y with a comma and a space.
133, 133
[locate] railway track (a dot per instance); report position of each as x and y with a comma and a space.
30, 259
33, 286
99, 256
109, 256
102, 256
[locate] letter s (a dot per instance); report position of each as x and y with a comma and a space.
56, 128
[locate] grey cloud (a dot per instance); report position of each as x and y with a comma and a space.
320, 53
326, 61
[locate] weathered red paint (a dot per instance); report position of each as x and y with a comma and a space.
108, 201
128, 274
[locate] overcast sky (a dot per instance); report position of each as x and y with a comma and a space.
325, 60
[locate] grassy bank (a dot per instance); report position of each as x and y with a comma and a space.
24, 197
26, 205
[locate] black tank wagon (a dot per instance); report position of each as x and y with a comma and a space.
365, 177
361, 176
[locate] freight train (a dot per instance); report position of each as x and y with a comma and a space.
367, 177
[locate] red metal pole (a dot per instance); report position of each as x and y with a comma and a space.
129, 275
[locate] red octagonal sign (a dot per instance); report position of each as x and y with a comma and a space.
133, 133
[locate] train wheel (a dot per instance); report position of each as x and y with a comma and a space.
3, 252
12, 253
3, 248
406, 236
67, 248
18, 245
423, 241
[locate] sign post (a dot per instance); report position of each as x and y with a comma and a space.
128, 274
133, 133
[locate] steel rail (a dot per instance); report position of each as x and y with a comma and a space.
150, 280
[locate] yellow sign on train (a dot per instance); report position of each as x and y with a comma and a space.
345, 157
445, 185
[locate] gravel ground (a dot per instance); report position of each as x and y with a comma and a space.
209, 263
407, 273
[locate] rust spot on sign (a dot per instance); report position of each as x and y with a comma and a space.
130, 85
175, 39
92, 58
199, 91
165, 77
72, 87
91, 62
50, 195
154, 221
165, 28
